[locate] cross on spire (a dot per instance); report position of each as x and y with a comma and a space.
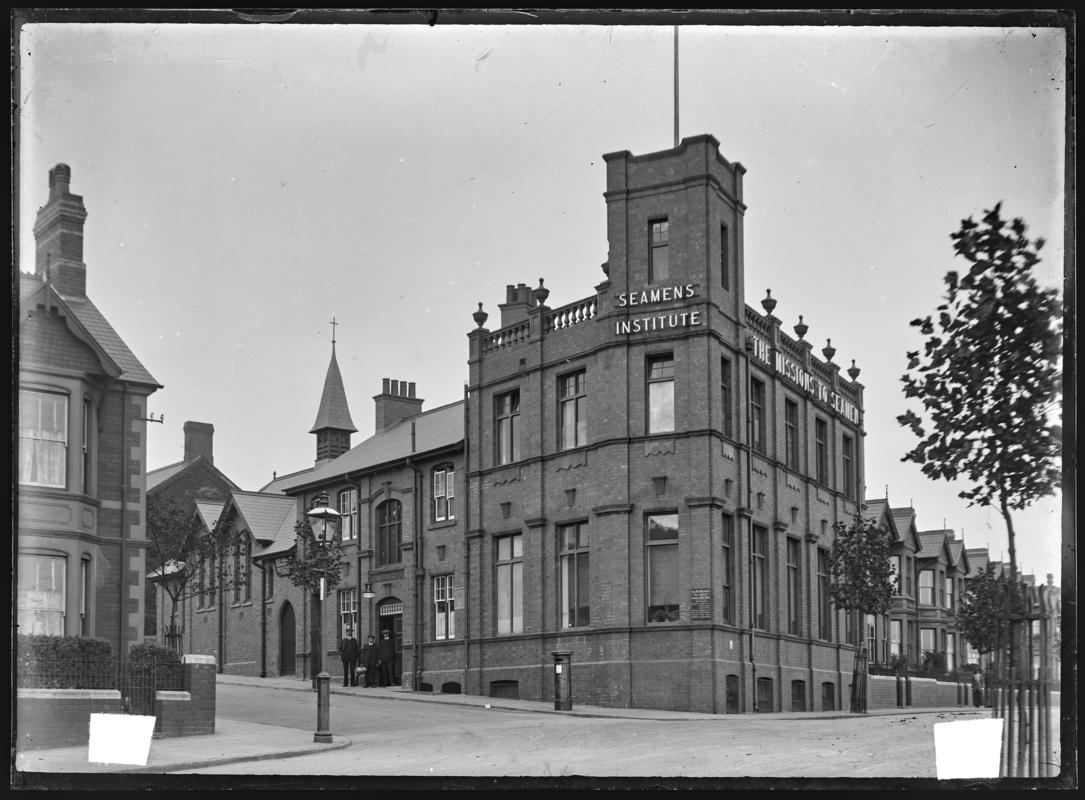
333, 324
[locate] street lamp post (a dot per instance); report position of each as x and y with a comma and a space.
324, 522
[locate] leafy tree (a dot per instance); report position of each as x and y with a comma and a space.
988, 374
861, 581
983, 613
177, 548
859, 567
312, 561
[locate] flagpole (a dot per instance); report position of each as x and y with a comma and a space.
676, 86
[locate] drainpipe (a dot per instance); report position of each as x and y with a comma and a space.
263, 615
466, 541
123, 568
419, 572
749, 517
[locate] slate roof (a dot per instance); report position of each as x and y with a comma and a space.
931, 543
157, 477
163, 474
956, 550
433, 430
333, 412
90, 318
904, 518
275, 484
266, 515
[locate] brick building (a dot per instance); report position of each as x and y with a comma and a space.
646, 478
180, 485
82, 423
654, 471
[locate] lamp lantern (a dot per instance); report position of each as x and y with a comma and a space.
323, 519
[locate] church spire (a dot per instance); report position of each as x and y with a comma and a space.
333, 425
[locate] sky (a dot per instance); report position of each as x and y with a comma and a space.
247, 184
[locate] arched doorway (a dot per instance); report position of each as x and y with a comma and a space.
287, 640
390, 617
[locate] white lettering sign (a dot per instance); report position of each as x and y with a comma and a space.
658, 322
664, 294
794, 372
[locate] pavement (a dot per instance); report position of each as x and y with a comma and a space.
235, 741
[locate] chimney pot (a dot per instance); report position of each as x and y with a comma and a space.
60, 178
395, 388
410, 389
385, 387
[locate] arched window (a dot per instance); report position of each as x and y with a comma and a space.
389, 531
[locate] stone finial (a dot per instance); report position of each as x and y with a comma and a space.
541, 293
480, 316
853, 371
828, 350
769, 304
801, 328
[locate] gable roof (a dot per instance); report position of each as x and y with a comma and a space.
904, 517
265, 515
932, 544
157, 477
959, 554
904, 520
88, 324
426, 432
878, 510
209, 512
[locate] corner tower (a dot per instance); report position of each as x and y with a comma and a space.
674, 219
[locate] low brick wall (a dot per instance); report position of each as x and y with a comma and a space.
60, 717
925, 693
190, 712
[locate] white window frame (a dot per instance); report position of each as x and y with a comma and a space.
348, 610
42, 594
43, 455
348, 511
660, 394
444, 493
444, 608
509, 583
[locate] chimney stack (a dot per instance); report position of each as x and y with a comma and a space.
58, 233
395, 403
518, 302
198, 441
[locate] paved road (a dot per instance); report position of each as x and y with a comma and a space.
437, 740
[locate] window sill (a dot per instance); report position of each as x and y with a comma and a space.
442, 523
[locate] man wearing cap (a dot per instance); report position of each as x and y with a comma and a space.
387, 658
370, 662
348, 653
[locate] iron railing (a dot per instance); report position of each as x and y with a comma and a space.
137, 681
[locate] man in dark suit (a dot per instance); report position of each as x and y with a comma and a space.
370, 662
348, 653
387, 659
